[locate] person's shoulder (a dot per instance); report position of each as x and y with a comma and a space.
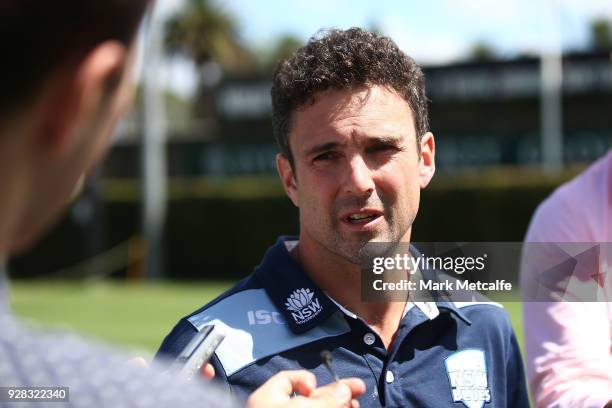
229, 302
254, 326
571, 211
95, 374
228, 299
594, 176
256, 329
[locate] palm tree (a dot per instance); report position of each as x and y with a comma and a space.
284, 48
601, 35
204, 33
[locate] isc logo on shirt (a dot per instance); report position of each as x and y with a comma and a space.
303, 305
467, 373
264, 317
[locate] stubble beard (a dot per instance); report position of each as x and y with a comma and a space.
352, 248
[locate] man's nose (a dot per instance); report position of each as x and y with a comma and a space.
359, 178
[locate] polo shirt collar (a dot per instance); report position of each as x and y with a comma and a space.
450, 306
441, 300
301, 302
429, 309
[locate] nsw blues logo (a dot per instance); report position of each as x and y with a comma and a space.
467, 373
303, 305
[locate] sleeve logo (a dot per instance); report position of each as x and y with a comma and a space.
467, 373
303, 305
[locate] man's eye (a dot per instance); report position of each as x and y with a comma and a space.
325, 156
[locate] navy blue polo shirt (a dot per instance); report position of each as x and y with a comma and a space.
445, 354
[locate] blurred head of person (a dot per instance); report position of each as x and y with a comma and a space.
66, 80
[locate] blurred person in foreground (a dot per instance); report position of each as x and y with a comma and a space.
66, 79
350, 116
568, 340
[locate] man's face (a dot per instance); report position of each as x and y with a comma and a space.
358, 172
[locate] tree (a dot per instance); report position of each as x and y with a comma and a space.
601, 35
284, 48
482, 51
204, 33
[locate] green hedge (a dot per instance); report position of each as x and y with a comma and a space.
207, 237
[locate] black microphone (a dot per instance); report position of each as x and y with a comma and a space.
326, 358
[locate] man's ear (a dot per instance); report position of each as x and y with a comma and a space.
79, 91
427, 164
287, 176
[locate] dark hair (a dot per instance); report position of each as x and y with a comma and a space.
344, 59
37, 36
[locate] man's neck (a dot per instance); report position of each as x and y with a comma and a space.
341, 280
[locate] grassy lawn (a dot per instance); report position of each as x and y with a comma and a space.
133, 316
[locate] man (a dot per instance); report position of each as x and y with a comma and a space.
350, 116
569, 343
65, 81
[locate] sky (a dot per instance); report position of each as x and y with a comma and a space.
431, 31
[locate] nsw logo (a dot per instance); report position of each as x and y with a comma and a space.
303, 305
467, 372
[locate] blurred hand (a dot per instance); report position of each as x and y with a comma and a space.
277, 392
138, 362
207, 371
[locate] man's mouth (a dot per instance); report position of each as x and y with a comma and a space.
362, 217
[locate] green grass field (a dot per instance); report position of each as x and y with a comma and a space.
130, 315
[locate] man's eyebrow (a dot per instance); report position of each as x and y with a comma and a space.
396, 140
321, 148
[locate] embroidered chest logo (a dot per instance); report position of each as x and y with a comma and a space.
467, 373
303, 305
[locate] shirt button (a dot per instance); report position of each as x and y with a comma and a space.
369, 339
389, 377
